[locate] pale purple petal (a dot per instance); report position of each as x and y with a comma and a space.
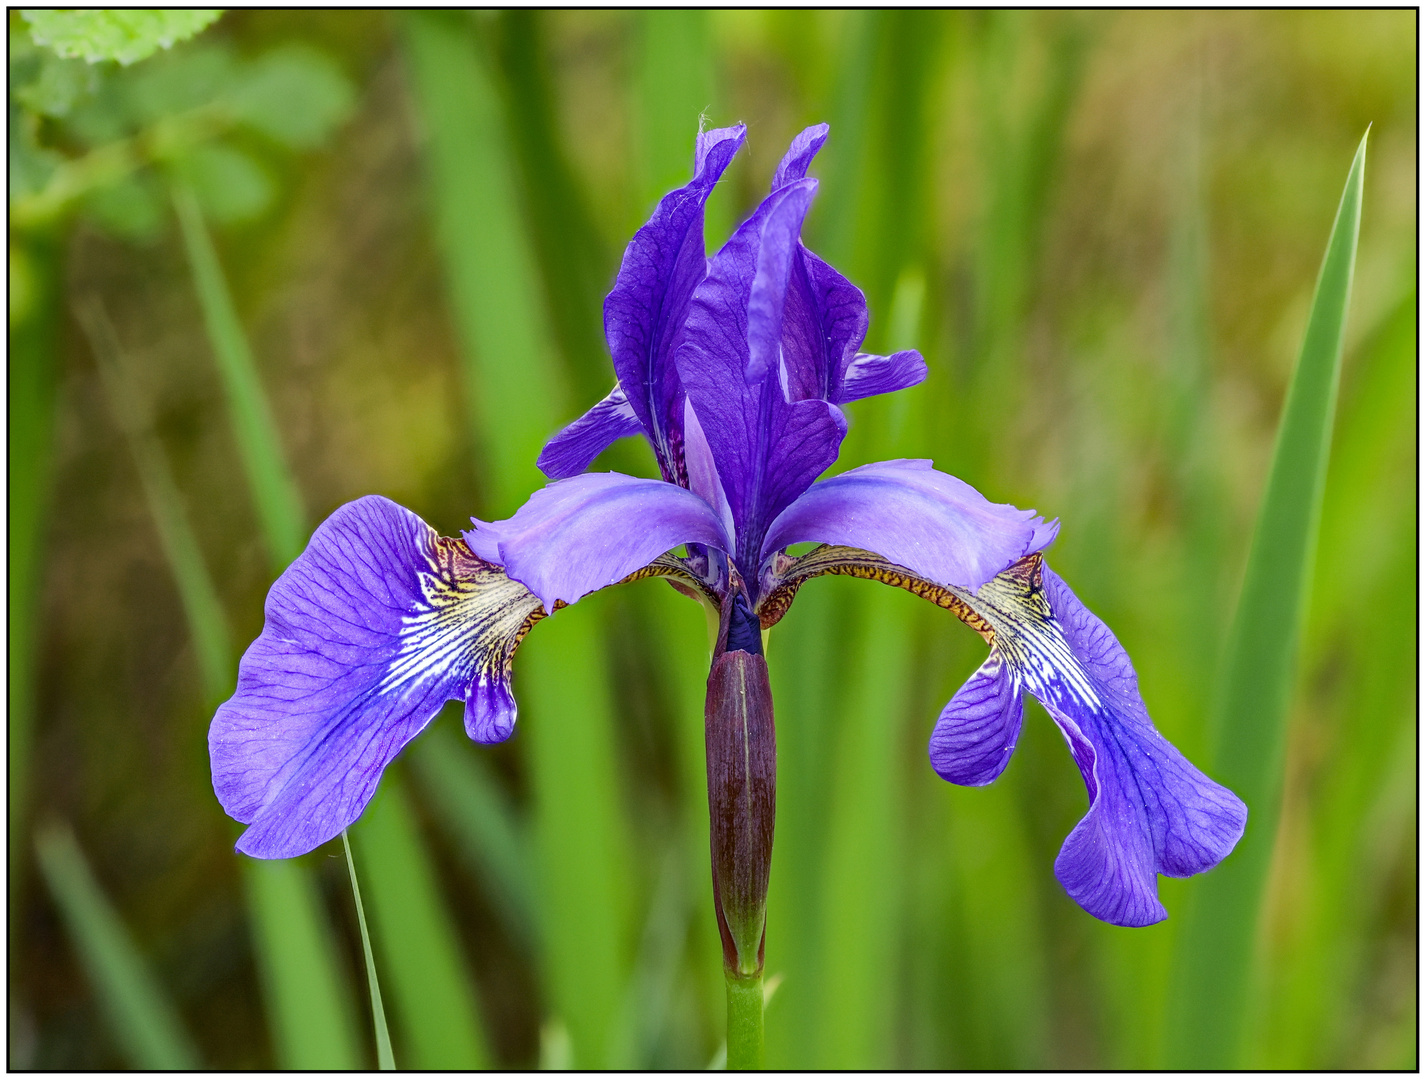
578, 535
868, 375
367, 634
927, 521
644, 313
1151, 811
571, 451
976, 731
795, 162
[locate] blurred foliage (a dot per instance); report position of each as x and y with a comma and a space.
1101, 228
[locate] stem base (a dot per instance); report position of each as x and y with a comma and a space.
745, 1021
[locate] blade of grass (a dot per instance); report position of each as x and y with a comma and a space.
207, 622
274, 492
1366, 552
517, 396
488, 831
1215, 951
307, 1002
513, 390
140, 1015
434, 1001
584, 855
573, 265
863, 879
32, 388
385, 1059
1020, 147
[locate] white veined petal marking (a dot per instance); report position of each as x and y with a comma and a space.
1034, 646
467, 623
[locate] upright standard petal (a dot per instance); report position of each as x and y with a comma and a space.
782, 215
571, 451
933, 524
578, 535
367, 634
795, 163
767, 448
644, 313
824, 326
866, 375
1150, 811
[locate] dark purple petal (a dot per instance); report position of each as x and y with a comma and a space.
578, 535
868, 375
644, 313
927, 521
571, 451
795, 162
703, 479
367, 634
767, 449
976, 731
782, 215
824, 324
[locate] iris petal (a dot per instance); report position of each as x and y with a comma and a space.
768, 449
798, 159
574, 448
1150, 811
644, 313
867, 375
977, 730
933, 524
578, 535
367, 634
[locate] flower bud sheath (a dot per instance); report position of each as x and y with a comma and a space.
742, 781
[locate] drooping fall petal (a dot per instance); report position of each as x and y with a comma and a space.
367, 634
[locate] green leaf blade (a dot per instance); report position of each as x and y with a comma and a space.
140, 1014
431, 993
1215, 953
273, 488
308, 1004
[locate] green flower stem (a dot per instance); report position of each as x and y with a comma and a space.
745, 1021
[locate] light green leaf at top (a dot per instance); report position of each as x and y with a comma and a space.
112, 34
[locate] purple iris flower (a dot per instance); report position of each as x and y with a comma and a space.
735, 370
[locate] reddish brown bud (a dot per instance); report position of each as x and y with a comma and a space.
742, 781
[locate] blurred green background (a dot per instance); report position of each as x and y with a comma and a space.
301, 257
